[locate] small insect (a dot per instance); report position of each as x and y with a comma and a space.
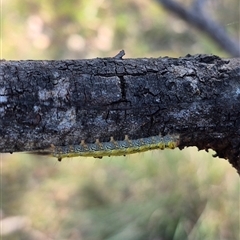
113, 147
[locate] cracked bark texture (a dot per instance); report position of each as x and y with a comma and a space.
63, 102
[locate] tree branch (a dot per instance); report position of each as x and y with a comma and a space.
64, 102
196, 17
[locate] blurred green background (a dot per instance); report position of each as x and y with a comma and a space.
158, 195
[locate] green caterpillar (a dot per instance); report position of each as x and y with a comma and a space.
114, 148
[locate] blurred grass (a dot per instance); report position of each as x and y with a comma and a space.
156, 195
170, 194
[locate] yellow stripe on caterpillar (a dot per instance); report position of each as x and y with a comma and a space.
114, 148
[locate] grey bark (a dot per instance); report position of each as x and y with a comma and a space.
63, 102
197, 17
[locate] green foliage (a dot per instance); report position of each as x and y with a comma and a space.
93, 28
168, 194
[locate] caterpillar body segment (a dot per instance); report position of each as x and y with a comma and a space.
114, 148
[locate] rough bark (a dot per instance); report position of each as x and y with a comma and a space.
63, 102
